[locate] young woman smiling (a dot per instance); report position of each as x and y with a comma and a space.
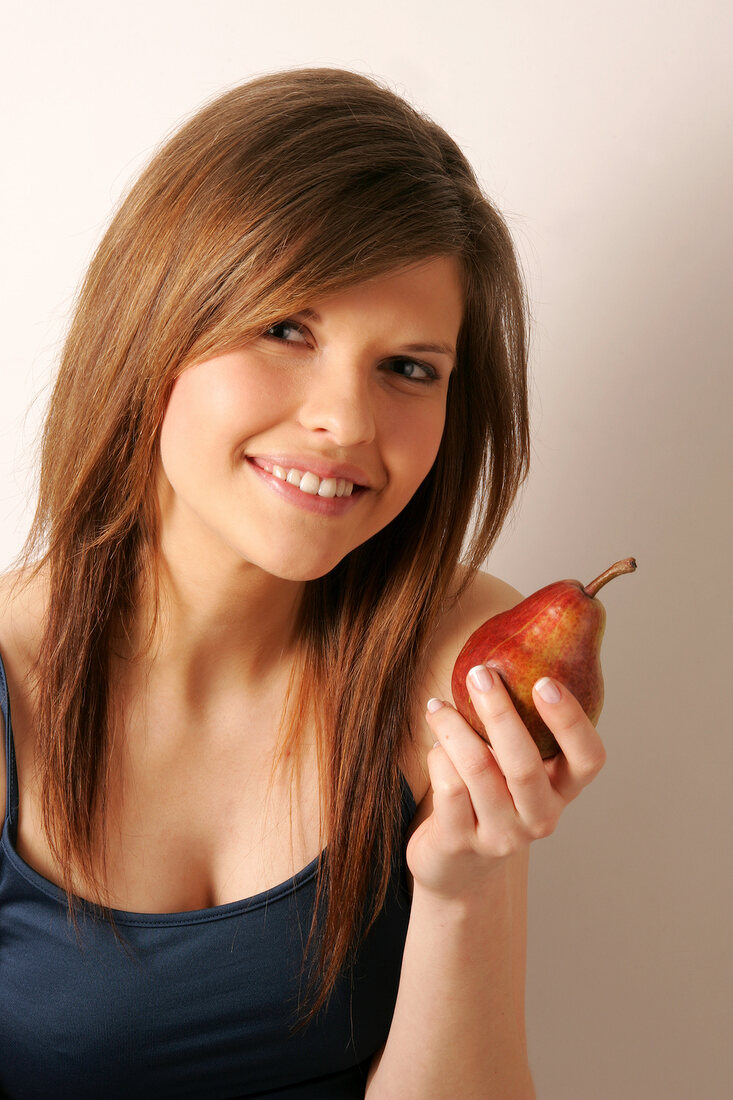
289, 422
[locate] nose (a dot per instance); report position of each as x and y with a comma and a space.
338, 400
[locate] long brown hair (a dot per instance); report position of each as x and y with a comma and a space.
290, 187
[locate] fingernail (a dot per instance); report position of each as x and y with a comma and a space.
482, 678
435, 704
548, 689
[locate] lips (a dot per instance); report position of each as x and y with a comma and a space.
326, 505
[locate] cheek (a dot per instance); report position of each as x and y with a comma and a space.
179, 427
418, 440
199, 421
427, 434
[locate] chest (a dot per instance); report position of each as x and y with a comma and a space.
196, 814
199, 1005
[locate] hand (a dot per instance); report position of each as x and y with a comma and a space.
490, 802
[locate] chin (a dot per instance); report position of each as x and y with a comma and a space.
298, 571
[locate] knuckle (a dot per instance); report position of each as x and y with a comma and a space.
502, 716
590, 764
449, 788
522, 774
576, 722
477, 765
504, 845
497, 841
542, 828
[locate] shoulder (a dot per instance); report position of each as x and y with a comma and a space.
484, 596
22, 609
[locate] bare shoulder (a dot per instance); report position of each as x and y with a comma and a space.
23, 601
22, 608
484, 596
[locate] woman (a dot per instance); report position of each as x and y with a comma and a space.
289, 422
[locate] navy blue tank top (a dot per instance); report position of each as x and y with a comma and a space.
193, 1004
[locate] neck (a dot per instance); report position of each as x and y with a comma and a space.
218, 629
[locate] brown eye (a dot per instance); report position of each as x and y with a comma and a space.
417, 372
281, 329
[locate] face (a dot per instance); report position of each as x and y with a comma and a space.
255, 443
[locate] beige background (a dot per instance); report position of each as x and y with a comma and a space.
604, 132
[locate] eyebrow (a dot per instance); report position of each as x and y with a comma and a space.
440, 349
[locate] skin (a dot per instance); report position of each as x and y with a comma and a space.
468, 851
235, 561
338, 388
468, 856
498, 800
236, 558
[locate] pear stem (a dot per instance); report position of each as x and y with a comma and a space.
628, 565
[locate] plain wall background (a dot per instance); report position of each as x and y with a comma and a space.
603, 132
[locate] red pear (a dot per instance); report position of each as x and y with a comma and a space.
555, 632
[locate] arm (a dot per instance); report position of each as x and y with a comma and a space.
458, 1026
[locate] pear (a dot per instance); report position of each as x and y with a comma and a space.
555, 632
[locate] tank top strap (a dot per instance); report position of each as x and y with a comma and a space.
11, 804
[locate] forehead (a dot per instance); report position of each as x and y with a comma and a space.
430, 291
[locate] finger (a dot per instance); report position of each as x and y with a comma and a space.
583, 754
452, 807
516, 753
473, 761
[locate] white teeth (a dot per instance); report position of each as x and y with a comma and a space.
310, 483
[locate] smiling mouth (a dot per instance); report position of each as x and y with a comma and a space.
309, 483
325, 502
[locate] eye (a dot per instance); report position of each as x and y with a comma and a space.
417, 372
274, 332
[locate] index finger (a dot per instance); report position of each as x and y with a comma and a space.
516, 752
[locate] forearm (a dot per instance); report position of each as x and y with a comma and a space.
458, 1027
